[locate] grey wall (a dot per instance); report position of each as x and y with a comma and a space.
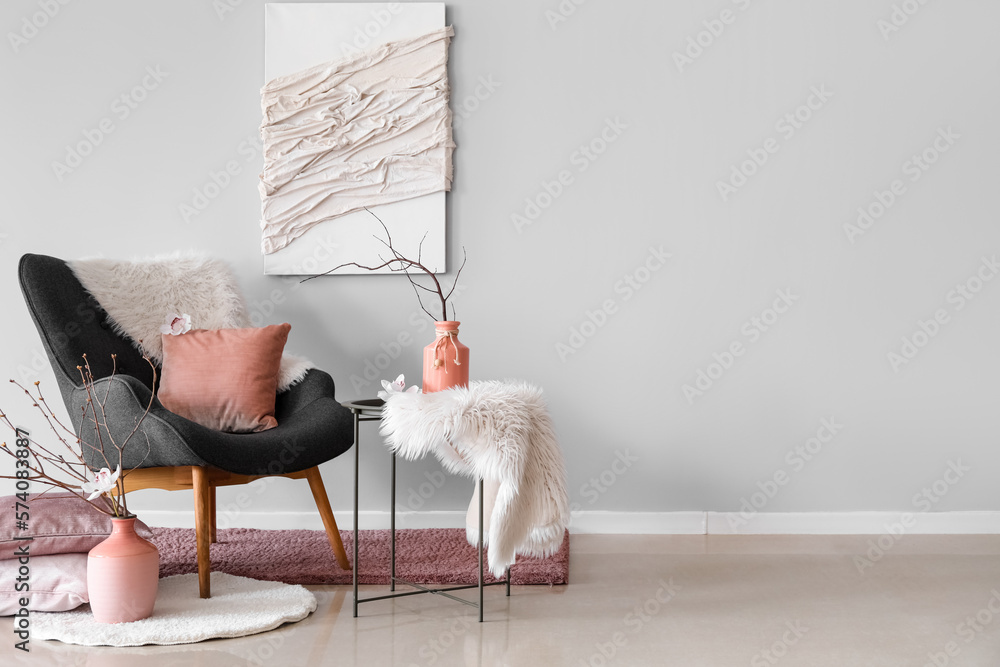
672, 130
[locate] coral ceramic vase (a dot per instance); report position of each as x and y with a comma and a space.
446, 360
123, 573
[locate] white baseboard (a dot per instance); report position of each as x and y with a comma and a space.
854, 523
637, 523
633, 523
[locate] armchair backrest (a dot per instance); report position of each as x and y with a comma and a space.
72, 323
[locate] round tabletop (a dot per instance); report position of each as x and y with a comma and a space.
365, 406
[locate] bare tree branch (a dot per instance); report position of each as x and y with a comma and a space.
465, 258
94, 414
401, 263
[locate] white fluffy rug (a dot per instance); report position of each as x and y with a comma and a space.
238, 607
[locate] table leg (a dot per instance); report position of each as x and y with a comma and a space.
357, 455
392, 527
480, 550
356, 565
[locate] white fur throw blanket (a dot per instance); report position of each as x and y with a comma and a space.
138, 295
500, 432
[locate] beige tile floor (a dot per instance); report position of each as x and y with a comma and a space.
654, 600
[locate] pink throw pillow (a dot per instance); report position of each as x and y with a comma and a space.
59, 523
58, 583
224, 379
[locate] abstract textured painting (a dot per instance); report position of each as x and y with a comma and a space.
365, 124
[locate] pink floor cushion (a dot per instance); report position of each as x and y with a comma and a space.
58, 523
56, 583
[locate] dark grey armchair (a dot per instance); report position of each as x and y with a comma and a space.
312, 426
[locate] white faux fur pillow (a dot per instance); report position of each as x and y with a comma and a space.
139, 294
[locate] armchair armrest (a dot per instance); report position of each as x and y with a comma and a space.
125, 399
312, 428
315, 385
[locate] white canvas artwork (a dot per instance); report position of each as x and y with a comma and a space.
299, 36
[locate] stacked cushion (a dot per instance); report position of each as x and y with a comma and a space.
63, 529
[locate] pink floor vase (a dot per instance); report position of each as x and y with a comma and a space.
123, 573
446, 360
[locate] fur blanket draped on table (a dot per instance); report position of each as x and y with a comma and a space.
139, 294
500, 432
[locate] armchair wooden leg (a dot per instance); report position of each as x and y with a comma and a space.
323, 505
202, 528
211, 497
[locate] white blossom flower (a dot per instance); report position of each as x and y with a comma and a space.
397, 386
176, 324
104, 481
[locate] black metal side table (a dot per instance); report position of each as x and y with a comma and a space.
367, 410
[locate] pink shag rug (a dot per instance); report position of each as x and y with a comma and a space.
424, 556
